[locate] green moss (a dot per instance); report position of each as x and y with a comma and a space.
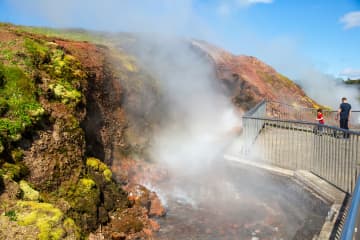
28, 193
36, 113
1, 147
11, 215
99, 166
18, 94
86, 184
67, 94
45, 216
108, 175
84, 199
66, 69
38, 51
17, 154
93, 163
71, 228
96, 164
13, 171
84, 196
127, 62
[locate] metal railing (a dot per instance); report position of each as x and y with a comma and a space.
351, 227
278, 110
276, 137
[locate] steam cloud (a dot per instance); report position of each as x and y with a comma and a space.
198, 115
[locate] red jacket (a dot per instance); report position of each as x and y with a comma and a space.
320, 118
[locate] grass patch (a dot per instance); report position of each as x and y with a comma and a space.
39, 53
11, 215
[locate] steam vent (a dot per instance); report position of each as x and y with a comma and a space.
124, 136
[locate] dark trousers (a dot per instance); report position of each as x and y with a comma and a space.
344, 125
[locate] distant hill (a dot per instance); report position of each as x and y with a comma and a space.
352, 81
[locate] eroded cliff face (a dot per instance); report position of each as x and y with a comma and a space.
61, 116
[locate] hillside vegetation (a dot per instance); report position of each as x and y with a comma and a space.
54, 103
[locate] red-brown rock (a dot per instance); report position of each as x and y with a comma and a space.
156, 208
154, 225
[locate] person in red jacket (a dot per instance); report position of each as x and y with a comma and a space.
320, 118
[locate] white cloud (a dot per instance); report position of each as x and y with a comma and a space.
351, 20
350, 73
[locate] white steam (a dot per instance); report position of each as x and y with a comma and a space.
199, 117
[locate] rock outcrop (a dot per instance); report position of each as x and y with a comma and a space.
61, 114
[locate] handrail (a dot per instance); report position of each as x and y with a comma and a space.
306, 107
254, 109
331, 158
303, 122
350, 223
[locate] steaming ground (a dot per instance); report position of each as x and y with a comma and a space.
204, 198
196, 116
240, 204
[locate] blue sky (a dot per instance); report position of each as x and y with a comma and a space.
290, 35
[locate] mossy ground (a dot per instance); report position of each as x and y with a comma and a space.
99, 166
45, 219
35, 71
42, 99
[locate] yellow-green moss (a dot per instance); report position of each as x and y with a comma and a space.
1, 147
71, 228
97, 165
36, 113
108, 175
127, 62
18, 95
87, 184
28, 193
65, 67
37, 53
13, 171
45, 216
83, 198
66, 94
17, 154
93, 163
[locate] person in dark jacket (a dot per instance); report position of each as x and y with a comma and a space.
345, 113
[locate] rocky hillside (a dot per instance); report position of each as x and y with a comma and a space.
61, 114
249, 80
69, 108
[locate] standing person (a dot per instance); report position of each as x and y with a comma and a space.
345, 114
320, 118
